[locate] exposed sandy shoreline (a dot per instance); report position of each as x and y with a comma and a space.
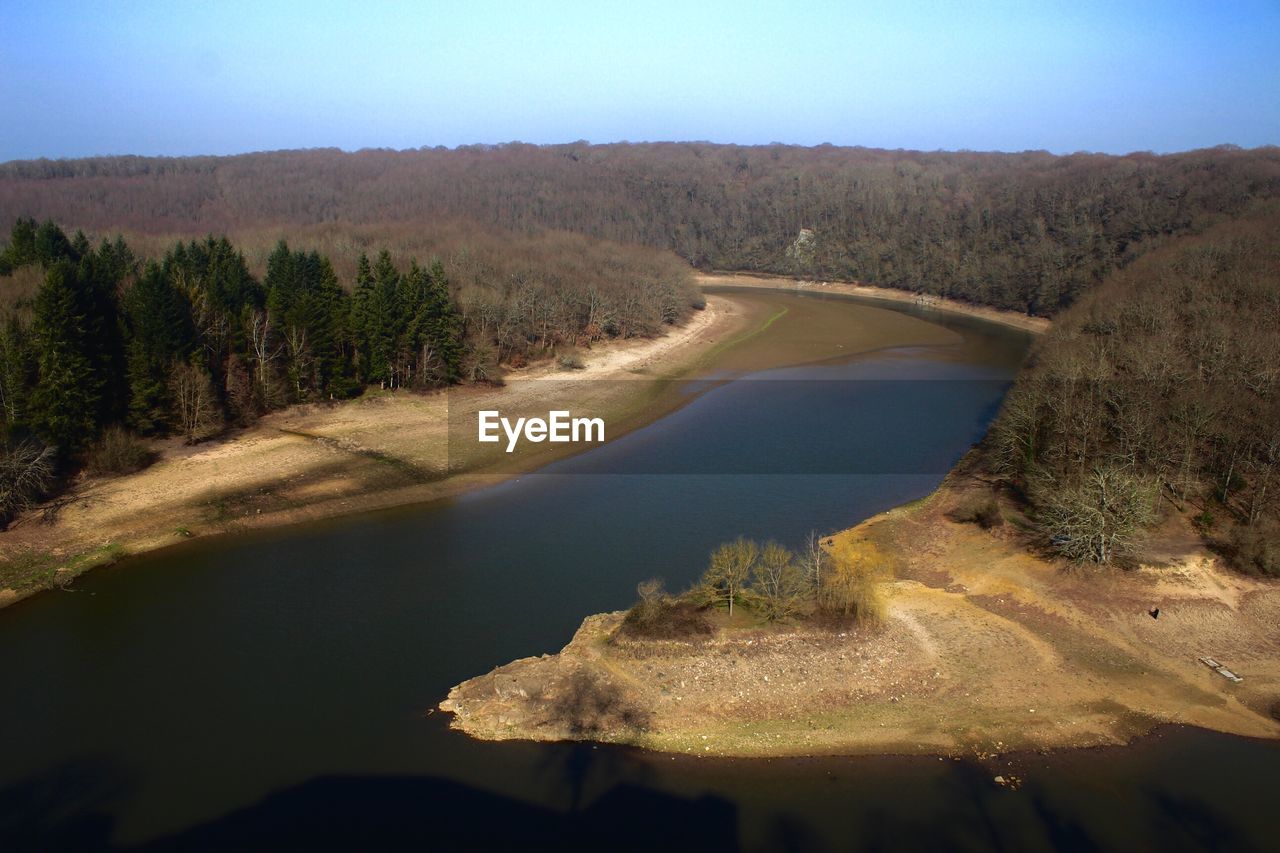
387, 449
887, 294
314, 461
986, 650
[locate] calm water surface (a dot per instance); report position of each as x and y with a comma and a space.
272, 690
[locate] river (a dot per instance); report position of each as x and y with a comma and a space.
275, 689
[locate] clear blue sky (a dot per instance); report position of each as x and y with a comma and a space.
182, 77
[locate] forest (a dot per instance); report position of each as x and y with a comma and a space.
100, 347
1155, 390
1158, 392
1027, 231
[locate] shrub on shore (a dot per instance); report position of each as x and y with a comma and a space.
1254, 550
658, 616
982, 510
852, 592
117, 453
570, 361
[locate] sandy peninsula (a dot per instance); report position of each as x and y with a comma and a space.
985, 649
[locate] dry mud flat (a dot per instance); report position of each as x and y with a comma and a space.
985, 649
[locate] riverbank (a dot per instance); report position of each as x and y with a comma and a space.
388, 449
1013, 319
985, 649
309, 462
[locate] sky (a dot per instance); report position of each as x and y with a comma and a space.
179, 78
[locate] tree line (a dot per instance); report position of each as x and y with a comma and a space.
1026, 231
1158, 391
192, 341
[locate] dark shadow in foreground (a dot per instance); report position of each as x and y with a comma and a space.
353, 813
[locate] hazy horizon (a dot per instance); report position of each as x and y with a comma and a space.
155, 79
553, 144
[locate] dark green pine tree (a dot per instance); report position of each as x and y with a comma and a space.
362, 297
328, 314
216, 281
286, 289
118, 259
64, 404
413, 295
52, 245
17, 375
99, 291
231, 287
282, 282
383, 319
22, 246
439, 329
80, 245
161, 333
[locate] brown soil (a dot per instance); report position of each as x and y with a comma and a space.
985, 649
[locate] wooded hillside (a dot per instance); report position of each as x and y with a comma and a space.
1023, 231
99, 343
1159, 390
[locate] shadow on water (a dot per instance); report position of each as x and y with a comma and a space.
70, 809
575, 767
1182, 822
958, 808
967, 812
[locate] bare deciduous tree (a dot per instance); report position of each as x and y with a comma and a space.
852, 588
730, 569
778, 581
265, 351
814, 561
26, 470
1098, 519
300, 358
193, 395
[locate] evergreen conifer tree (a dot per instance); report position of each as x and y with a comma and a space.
67, 394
